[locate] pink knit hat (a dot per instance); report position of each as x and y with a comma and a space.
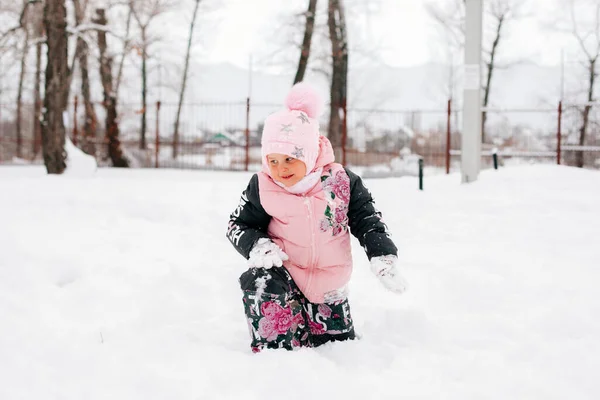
294, 131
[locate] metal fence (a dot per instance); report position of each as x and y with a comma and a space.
378, 142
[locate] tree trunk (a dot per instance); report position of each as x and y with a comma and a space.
37, 96
490, 71
125, 50
339, 78
91, 120
56, 88
308, 32
144, 89
579, 160
184, 81
22, 73
110, 100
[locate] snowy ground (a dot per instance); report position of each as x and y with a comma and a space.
123, 286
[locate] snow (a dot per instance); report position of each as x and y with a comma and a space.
123, 286
79, 164
261, 284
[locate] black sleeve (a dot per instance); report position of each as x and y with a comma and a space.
249, 221
365, 221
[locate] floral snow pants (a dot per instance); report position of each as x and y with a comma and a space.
279, 316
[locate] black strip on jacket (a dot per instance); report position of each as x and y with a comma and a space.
365, 221
249, 221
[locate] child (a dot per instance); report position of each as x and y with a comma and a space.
293, 223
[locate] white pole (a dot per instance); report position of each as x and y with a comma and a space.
471, 136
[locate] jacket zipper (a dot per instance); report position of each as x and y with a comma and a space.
312, 242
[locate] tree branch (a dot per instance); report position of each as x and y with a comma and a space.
579, 38
597, 30
126, 45
14, 29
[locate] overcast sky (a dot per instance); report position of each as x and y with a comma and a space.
401, 29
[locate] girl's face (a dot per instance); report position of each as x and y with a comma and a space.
285, 169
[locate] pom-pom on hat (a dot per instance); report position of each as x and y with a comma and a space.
294, 131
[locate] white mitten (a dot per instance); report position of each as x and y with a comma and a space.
386, 270
266, 254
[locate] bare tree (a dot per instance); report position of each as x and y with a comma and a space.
37, 95
451, 18
498, 15
587, 35
23, 26
82, 50
306, 41
126, 48
339, 77
6, 35
110, 99
288, 35
22, 74
501, 12
184, 80
15, 44
145, 12
55, 99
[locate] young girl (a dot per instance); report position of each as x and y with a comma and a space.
293, 224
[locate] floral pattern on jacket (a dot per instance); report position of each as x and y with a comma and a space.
337, 194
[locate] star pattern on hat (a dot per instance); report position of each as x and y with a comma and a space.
286, 128
303, 118
298, 152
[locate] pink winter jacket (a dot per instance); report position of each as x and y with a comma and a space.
312, 229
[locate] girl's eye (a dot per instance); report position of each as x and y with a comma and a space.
290, 159
273, 162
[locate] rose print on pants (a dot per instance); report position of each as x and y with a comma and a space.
281, 317
276, 320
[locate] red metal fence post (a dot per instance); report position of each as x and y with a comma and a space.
559, 133
247, 156
75, 120
1, 134
157, 143
448, 133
